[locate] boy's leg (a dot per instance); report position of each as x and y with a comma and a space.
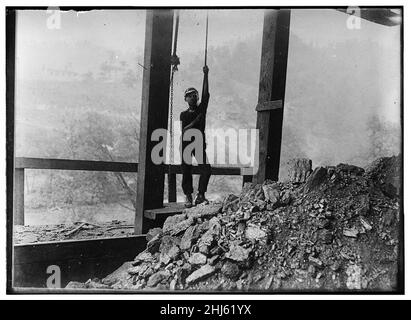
205, 174
187, 182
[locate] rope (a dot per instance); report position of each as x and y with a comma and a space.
176, 35
206, 41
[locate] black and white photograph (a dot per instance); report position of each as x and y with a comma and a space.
211, 150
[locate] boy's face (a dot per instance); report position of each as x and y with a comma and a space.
191, 99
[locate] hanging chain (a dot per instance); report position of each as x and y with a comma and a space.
206, 41
171, 158
175, 61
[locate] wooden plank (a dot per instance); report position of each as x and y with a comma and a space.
71, 249
154, 109
81, 165
85, 165
78, 260
19, 197
215, 170
269, 105
168, 209
273, 72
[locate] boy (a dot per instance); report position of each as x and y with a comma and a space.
194, 118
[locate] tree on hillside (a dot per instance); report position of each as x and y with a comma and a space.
95, 136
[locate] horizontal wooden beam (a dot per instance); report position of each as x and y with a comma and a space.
85, 165
81, 165
77, 291
215, 170
78, 260
168, 209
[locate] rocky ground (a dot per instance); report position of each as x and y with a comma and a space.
331, 229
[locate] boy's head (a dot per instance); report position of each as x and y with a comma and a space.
191, 96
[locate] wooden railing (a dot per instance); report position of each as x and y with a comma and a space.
84, 165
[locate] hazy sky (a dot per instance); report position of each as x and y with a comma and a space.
123, 31
125, 28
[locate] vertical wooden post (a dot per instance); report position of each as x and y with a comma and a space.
172, 187
271, 96
19, 196
154, 110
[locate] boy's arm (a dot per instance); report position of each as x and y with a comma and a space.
205, 97
205, 94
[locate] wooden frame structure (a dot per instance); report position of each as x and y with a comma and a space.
270, 108
22, 164
154, 115
271, 96
154, 112
154, 109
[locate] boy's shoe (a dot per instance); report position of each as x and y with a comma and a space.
200, 198
189, 201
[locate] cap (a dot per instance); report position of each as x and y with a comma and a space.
190, 90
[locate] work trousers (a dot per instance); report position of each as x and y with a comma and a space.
203, 166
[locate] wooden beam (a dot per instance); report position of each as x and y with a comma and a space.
155, 218
215, 170
273, 73
78, 260
154, 110
168, 209
83, 165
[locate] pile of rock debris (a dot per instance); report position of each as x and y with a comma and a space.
334, 228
